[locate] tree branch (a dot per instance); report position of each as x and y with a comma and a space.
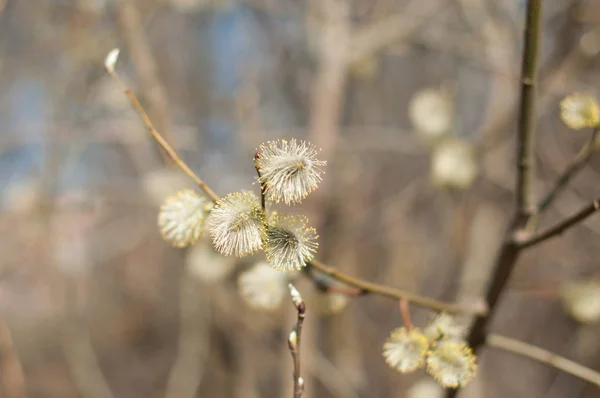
543, 356
294, 340
562, 226
396, 294
525, 136
525, 207
263, 188
110, 64
573, 167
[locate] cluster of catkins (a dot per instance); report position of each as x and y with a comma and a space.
439, 346
239, 224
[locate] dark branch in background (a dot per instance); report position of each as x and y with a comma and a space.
543, 356
525, 134
573, 167
294, 340
525, 207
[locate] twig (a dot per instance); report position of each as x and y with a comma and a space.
562, 226
294, 340
393, 293
364, 285
510, 250
403, 304
543, 356
110, 64
573, 167
145, 65
525, 136
263, 202
11, 372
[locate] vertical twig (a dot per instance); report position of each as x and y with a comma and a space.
145, 65
525, 206
403, 304
263, 201
294, 340
11, 372
525, 135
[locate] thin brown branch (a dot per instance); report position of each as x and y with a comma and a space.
393, 293
562, 226
294, 340
525, 135
11, 371
403, 304
263, 201
572, 168
525, 206
158, 137
145, 65
543, 356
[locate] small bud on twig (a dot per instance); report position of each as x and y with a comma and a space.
111, 60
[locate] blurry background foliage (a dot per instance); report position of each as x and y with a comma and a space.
418, 131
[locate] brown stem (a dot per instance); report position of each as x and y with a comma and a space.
144, 62
294, 341
573, 167
160, 140
561, 226
393, 293
263, 201
403, 304
543, 356
525, 136
510, 250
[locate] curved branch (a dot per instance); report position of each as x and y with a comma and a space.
155, 134
543, 356
562, 226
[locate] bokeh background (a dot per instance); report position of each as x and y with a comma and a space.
99, 306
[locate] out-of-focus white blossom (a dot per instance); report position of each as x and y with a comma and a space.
207, 265
581, 300
444, 326
453, 164
263, 287
425, 388
181, 218
431, 111
590, 43
579, 111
